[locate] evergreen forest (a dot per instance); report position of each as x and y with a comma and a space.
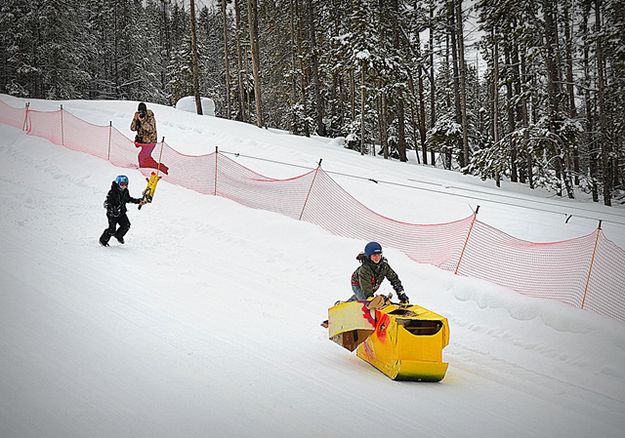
530, 91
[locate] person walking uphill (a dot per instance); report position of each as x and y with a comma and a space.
144, 124
373, 269
115, 205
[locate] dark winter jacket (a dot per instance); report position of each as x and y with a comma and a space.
369, 276
116, 200
146, 128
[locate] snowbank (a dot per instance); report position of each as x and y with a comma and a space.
188, 104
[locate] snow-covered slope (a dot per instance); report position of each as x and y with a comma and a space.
206, 323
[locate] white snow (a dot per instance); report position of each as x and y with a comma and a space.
206, 322
187, 103
363, 55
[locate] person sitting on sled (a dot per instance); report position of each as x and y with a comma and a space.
368, 277
115, 205
373, 269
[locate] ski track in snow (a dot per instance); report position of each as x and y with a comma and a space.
206, 323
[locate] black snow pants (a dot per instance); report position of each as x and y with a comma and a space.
112, 230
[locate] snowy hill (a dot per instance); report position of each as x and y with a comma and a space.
206, 323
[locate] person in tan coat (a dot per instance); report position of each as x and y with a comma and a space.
144, 124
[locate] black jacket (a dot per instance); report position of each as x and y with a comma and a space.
116, 200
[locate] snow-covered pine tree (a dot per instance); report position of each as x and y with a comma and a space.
19, 66
210, 51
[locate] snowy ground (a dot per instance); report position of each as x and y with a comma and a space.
206, 323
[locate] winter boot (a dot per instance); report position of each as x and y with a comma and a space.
104, 238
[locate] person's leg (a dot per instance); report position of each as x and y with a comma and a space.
124, 226
358, 294
108, 232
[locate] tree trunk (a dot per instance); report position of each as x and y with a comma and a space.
362, 108
196, 85
510, 108
432, 83
248, 97
454, 60
589, 136
226, 57
526, 135
302, 65
381, 92
314, 63
294, 120
603, 124
553, 84
422, 130
240, 75
383, 124
463, 93
252, 11
495, 118
164, 42
413, 116
517, 173
224, 16
568, 31
401, 129
352, 94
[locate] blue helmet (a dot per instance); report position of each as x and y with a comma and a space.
373, 248
121, 179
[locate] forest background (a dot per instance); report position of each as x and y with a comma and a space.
532, 91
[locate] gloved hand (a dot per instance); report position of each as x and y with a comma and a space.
403, 298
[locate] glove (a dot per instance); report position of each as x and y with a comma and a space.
403, 298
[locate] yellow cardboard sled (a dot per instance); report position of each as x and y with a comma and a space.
404, 342
350, 323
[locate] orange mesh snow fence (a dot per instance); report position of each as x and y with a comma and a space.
12, 116
606, 286
586, 272
556, 270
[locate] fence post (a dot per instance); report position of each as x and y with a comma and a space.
592, 262
310, 188
216, 157
108, 153
62, 131
26, 124
160, 155
466, 241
